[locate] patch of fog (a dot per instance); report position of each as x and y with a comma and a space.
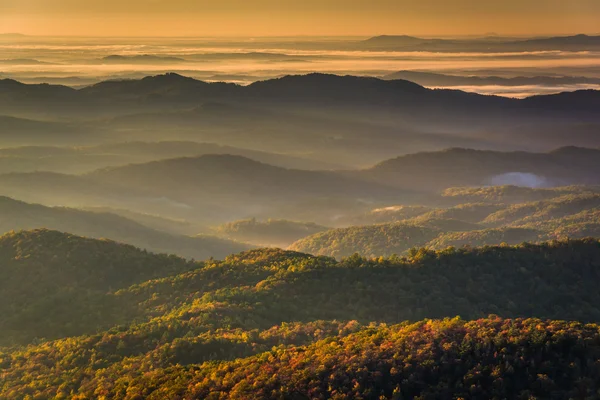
385, 209
520, 91
524, 179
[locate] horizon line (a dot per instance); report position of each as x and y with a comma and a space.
418, 35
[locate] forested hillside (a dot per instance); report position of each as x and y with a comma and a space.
569, 212
487, 358
56, 284
242, 306
273, 286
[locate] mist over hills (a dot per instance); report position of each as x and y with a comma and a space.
18, 215
228, 179
211, 189
81, 159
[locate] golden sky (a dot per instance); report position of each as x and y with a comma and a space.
298, 17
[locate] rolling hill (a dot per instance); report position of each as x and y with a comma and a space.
235, 180
436, 171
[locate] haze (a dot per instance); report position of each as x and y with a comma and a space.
308, 17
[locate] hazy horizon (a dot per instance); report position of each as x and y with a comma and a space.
293, 18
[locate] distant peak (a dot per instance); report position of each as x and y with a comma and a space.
168, 76
391, 39
12, 34
172, 78
9, 81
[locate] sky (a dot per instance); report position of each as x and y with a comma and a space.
298, 17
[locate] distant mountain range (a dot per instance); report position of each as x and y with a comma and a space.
312, 89
141, 59
344, 120
23, 61
410, 43
11, 35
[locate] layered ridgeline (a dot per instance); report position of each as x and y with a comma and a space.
174, 315
492, 217
175, 91
319, 115
18, 215
487, 44
212, 188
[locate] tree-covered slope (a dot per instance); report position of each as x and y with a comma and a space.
370, 240
432, 359
56, 284
485, 237
489, 358
510, 194
262, 288
562, 216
